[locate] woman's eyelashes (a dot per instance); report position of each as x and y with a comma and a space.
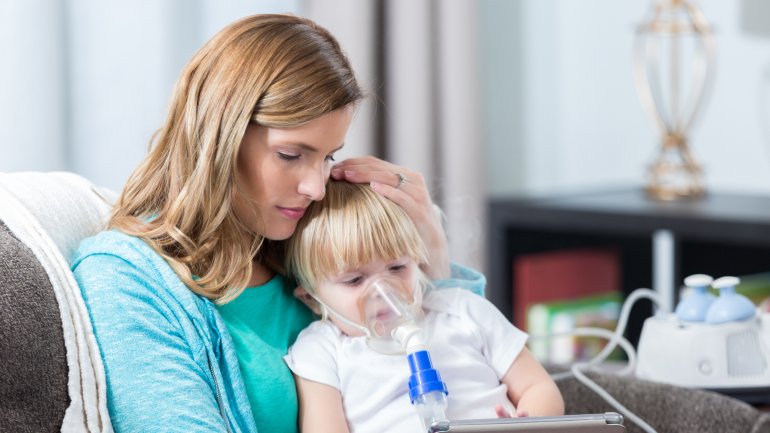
288, 156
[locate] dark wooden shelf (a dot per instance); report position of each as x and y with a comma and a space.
720, 234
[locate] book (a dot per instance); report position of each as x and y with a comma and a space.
544, 319
755, 287
562, 275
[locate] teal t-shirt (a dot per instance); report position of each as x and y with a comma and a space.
263, 322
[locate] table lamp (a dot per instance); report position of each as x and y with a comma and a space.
673, 63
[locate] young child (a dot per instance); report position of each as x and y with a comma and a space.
351, 238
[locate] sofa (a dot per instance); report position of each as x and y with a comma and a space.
666, 408
51, 375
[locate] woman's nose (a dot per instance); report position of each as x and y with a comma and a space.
313, 183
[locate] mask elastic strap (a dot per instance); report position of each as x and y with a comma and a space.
339, 316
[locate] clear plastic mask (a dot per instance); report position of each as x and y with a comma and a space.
385, 305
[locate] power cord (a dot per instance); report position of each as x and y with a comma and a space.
616, 339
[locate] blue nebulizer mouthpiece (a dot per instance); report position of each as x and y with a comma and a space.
424, 378
426, 389
393, 318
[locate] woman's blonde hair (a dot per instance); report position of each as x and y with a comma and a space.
278, 71
349, 228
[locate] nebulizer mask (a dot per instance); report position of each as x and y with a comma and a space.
390, 314
391, 318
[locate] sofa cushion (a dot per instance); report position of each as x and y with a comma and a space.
666, 408
33, 361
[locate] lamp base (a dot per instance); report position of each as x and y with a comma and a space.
671, 193
675, 175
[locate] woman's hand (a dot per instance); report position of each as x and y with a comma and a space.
407, 189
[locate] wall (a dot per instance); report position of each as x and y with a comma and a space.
562, 112
85, 83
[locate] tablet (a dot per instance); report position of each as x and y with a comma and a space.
609, 422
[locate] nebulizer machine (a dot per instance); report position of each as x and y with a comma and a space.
391, 314
721, 343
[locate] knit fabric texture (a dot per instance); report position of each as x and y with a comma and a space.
666, 408
33, 361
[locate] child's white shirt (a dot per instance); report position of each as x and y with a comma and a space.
471, 343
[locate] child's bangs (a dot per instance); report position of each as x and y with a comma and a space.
352, 227
370, 228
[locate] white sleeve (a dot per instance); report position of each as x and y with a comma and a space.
501, 341
314, 355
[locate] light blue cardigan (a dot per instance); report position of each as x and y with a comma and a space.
168, 357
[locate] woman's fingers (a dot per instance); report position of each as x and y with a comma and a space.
395, 177
411, 204
403, 186
370, 169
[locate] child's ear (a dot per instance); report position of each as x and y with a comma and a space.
302, 294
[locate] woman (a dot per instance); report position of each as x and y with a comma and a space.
185, 293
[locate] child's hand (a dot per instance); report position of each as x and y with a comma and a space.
502, 413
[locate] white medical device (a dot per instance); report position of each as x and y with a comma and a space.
718, 343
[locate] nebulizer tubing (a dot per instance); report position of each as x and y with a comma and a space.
615, 339
624, 344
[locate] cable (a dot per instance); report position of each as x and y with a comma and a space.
616, 339
625, 312
609, 399
595, 332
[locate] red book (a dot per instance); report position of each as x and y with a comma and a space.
561, 276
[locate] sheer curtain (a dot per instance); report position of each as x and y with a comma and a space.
85, 83
421, 59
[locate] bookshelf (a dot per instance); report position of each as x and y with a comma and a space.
659, 242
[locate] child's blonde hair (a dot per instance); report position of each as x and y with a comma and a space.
349, 228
